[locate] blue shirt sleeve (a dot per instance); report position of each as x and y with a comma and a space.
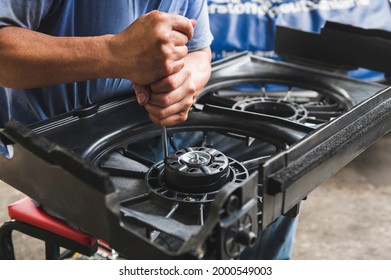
24, 13
198, 10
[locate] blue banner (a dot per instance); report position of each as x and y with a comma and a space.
239, 25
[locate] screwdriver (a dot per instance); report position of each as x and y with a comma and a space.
164, 143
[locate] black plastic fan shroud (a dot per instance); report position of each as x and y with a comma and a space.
280, 159
259, 124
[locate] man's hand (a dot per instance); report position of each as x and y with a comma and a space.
151, 48
169, 100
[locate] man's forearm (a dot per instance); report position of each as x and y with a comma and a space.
31, 59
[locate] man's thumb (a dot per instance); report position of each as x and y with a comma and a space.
142, 93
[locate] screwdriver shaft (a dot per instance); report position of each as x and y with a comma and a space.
164, 143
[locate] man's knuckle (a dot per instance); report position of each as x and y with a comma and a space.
164, 37
164, 51
161, 114
170, 83
189, 102
167, 67
182, 116
158, 16
165, 100
192, 89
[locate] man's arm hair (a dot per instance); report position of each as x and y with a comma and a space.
32, 59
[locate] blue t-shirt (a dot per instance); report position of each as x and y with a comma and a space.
83, 18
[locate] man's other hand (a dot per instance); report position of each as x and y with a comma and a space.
151, 48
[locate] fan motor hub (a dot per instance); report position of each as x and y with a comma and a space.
196, 170
195, 158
